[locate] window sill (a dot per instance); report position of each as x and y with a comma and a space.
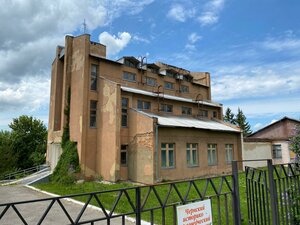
192, 166
167, 168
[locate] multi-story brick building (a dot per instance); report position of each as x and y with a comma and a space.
145, 122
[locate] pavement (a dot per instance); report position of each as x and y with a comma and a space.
32, 212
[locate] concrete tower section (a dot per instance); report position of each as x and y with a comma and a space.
145, 122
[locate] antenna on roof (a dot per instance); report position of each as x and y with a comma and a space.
84, 26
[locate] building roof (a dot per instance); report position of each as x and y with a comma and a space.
170, 97
177, 121
272, 124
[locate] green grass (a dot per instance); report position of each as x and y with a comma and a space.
108, 198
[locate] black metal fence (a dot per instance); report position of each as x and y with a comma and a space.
270, 199
154, 203
273, 194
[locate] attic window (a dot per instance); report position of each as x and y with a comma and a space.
129, 63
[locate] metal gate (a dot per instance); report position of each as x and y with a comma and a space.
273, 194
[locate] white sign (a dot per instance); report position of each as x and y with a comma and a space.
195, 213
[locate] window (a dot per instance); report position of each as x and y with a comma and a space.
166, 108
186, 110
94, 75
171, 74
184, 89
192, 154
129, 76
203, 113
129, 63
167, 155
169, 85
212, 154
93, 113
124, 155
150, 81
276, 152
124, 112
143, 105
215, 114
228, 153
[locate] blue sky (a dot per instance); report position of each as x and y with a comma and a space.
250, 47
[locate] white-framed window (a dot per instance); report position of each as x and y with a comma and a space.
94, 75
192, 154
166, 108
124, 119
143, 105
212, 154
93, 113
186, 110
167, 155
129, 76
124, 155
150, 81
276, 151
184, 89
169, 85
228, 153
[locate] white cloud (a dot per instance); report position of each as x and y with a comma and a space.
282, 44
179, 13
31, 94
259, 85
114, 44
140, 39
194, 37
210, 14
32, 29
258, 126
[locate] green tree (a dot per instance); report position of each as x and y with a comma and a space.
241, 121
229, 116
7, 158
29, 141
295, 143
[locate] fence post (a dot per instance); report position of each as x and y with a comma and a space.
138, 205
236, 208
273, 193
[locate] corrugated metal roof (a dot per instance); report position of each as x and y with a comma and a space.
176, 121
171, 97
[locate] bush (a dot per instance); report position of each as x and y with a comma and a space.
68, 165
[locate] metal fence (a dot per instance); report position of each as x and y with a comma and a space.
154, 203
22, 173
273, 194
271, 199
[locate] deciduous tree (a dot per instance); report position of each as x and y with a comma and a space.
29, 141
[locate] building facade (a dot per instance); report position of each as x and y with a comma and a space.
145, 122
271, 142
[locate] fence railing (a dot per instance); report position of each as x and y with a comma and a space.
22, 173
273, 194
154, 203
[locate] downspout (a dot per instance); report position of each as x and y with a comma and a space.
156, 151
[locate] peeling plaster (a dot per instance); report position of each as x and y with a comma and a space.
109, 106
78, 61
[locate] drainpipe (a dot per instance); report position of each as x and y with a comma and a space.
156, 151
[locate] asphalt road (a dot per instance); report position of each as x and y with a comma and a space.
32, 212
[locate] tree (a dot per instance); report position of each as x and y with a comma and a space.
7, 158
295, 144
241, 121
229, 116
29, 141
